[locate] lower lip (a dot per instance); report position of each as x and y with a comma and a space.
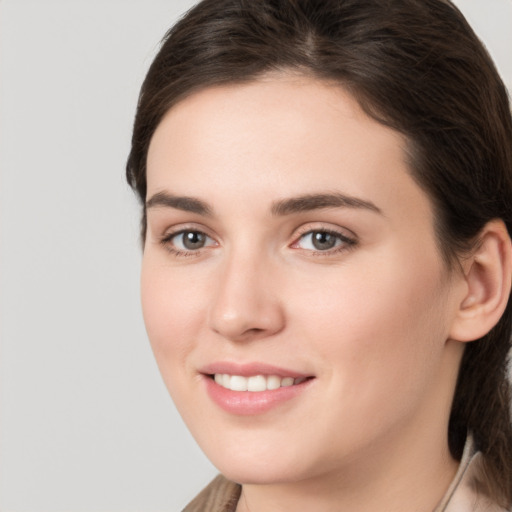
246, 403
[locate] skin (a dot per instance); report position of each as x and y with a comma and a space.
370, 320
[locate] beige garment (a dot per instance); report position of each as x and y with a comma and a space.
220, 495
463, 495
467, 490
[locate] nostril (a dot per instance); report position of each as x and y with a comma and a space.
254, 330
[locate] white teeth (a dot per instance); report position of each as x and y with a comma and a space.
273, 382
238, 383
255, 383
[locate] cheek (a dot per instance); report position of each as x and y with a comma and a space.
386, 321
171, 307
377, 336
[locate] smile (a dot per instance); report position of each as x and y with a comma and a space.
255, 383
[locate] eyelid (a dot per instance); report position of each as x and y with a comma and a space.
180, 227
325, 226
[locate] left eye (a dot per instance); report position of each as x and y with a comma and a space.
190, 240
322, 240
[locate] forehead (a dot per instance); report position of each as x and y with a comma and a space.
279, 136
285, 100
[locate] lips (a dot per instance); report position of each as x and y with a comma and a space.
252, 388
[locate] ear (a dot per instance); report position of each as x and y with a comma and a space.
488, 276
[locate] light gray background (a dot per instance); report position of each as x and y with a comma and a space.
86, 423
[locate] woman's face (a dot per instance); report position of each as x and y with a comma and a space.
290, 252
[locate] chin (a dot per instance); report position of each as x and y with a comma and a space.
254, 462
259, 473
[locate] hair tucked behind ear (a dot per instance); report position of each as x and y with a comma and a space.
482, 407
414, 65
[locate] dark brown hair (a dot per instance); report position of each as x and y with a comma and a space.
413, 65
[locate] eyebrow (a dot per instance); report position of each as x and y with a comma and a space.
310, 202
187, 204
281, 207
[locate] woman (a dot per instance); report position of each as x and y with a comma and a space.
327, 191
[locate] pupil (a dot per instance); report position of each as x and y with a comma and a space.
193, 240
323, 240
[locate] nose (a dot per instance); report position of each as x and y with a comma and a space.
246, 303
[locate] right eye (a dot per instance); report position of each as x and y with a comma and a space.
187, 241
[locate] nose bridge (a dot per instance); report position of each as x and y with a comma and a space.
246, 303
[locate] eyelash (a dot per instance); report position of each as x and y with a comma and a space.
166, 241
347, 243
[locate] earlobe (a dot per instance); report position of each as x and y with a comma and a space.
488, 275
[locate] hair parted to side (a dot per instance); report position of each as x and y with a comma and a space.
413, 65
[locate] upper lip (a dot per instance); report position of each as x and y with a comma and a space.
250, 369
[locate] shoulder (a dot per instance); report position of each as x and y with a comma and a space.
221, 495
